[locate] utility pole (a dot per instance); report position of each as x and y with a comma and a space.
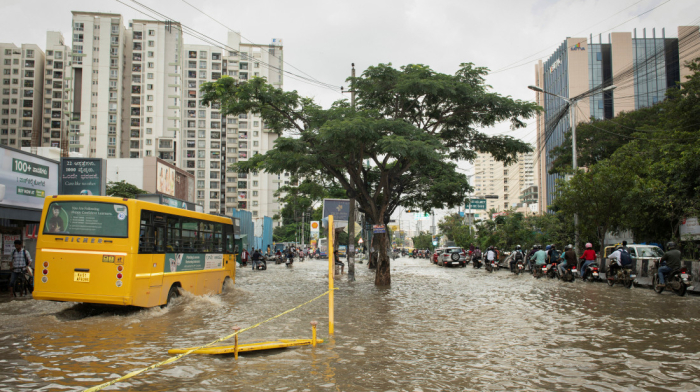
351, 217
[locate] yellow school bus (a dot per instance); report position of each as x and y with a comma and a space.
109, 250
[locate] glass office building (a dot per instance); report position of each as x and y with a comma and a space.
641, 66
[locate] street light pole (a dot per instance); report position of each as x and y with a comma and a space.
573, 105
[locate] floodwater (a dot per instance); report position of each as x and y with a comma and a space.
435, 329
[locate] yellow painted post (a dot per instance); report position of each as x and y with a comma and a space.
313, 332
235, 342
331, 264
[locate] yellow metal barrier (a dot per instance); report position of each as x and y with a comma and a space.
190, 351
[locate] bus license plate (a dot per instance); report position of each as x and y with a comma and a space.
83, 277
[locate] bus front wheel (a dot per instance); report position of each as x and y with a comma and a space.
172, 294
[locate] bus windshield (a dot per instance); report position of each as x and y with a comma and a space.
87, 219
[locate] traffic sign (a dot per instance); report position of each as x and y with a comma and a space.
477, 204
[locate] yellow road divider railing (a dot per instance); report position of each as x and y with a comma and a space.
190, 351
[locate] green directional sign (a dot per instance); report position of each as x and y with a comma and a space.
477, 204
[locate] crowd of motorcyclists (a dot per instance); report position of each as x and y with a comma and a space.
550, 261
285, 256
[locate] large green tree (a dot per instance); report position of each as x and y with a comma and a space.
397, 148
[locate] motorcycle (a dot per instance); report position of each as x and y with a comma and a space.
624, 276
476, 261
289, 261
491, 265
591, 274
552, 270
519, 267
261, 264
569, 273
539, 271
677, 280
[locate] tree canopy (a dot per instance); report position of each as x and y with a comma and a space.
398, 147
123, 189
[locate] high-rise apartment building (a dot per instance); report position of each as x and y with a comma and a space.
211, 143
152, 101
56, 84
22, 70
641, 66
502, 185
96, 84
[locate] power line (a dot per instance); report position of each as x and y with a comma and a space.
529, 61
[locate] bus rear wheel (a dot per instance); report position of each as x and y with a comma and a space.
172, 294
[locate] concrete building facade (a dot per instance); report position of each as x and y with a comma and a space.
641, 66
21, 101
56, 85
502, 185
96, 84
211, 143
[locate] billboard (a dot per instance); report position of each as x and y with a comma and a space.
315, 226
690, 229
82, 176
165, 177
339, 208
25, 179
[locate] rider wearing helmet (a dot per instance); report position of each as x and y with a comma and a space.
553, 254
490, 255
569, 259
540, 258
588, 258
669, 262
620, 258
517, 256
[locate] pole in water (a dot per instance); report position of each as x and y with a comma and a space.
235, 342
313, 332
331, 262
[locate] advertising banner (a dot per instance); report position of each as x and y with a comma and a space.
182, 262
379, 229
315, 226
25, 180
82, 176
9, 242
166, 179
87, 218
690, 229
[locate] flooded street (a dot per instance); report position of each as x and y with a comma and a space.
435, 329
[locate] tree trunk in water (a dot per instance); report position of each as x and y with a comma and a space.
382, 276
372, 264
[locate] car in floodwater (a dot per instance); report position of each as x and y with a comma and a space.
452, 255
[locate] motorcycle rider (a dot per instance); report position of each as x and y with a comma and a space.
529, 255
540, 257
476, 256
588, 258
256, 258
619, 258
517, 256
669, 262
490, 255
569, 259
553, 254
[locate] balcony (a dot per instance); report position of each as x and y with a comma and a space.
75, 116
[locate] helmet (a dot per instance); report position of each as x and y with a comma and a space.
535, 247
567, 247
517, 247
589, 245
548, 247
670, 245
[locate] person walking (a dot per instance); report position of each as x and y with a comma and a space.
244, 257
21, 262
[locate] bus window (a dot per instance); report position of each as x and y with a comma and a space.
172, 235
206, 232
218, 236
189, 235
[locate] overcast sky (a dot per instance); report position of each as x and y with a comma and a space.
322, 38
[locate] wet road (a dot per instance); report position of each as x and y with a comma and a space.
435, 329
